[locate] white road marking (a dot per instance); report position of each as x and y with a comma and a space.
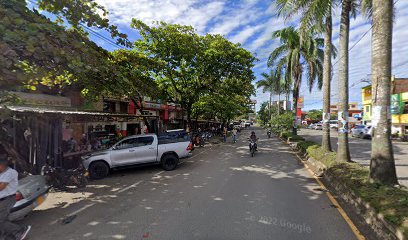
129, 187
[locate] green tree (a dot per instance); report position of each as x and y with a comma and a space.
382, 165
316, 14
190, 66
298, 55
264, 113
34, 50
315, 115
270, 83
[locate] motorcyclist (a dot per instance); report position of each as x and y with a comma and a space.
254, 139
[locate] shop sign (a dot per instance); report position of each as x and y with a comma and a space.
152, 105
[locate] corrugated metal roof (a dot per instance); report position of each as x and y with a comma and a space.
46, 110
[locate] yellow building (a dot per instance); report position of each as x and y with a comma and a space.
399, 105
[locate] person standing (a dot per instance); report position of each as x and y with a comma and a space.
8, 189
144, 129
225, 131
234, 135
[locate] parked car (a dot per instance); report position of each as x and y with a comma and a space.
31, 192
166, 150
361, 131
334, 124
247, 124
318, 127
357, 130
369, 133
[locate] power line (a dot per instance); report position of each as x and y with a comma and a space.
94, 33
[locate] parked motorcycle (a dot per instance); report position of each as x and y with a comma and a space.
60, 178
197, 139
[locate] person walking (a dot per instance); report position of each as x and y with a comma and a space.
8, 189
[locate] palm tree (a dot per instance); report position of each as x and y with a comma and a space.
348, 7
295, 56
382, 165
268, 84
316, 14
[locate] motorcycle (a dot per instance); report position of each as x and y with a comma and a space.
269, 133
197, 139
60, 178
252, 146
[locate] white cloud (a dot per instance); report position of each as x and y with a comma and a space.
246, 33
251, 22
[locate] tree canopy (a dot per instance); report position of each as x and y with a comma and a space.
35, 50
190, 66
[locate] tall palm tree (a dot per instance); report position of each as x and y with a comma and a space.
316, 14
348, 8
297, 55
268, 84
382, 165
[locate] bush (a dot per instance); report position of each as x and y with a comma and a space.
304, 145
283, 122
289, 136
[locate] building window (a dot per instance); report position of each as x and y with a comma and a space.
367, 109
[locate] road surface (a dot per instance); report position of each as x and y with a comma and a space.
221, 193
360, 151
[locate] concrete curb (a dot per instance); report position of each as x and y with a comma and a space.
378, 224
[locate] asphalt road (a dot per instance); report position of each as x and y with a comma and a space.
360, 151
221, 193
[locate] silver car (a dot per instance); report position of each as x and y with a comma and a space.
360, 131
165, 150
31, 192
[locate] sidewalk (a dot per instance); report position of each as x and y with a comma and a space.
360, 150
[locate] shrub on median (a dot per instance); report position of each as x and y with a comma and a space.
391, 202
289, 136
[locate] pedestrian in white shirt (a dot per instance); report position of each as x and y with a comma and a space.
8, 189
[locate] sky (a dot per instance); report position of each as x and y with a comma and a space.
251, 23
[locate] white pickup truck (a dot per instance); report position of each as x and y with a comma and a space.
165, 150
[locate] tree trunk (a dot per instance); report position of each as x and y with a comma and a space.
382, 165
343, 151
279, 104
270, 105
188, 111
326, 145
295, 100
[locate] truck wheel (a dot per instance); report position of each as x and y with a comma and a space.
98, 170
169, 162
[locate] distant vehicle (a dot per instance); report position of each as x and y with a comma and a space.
318, 127
312, 126
247, 124
334, 124
31, 192
369, 133
166, 150
361, 131
357, 130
